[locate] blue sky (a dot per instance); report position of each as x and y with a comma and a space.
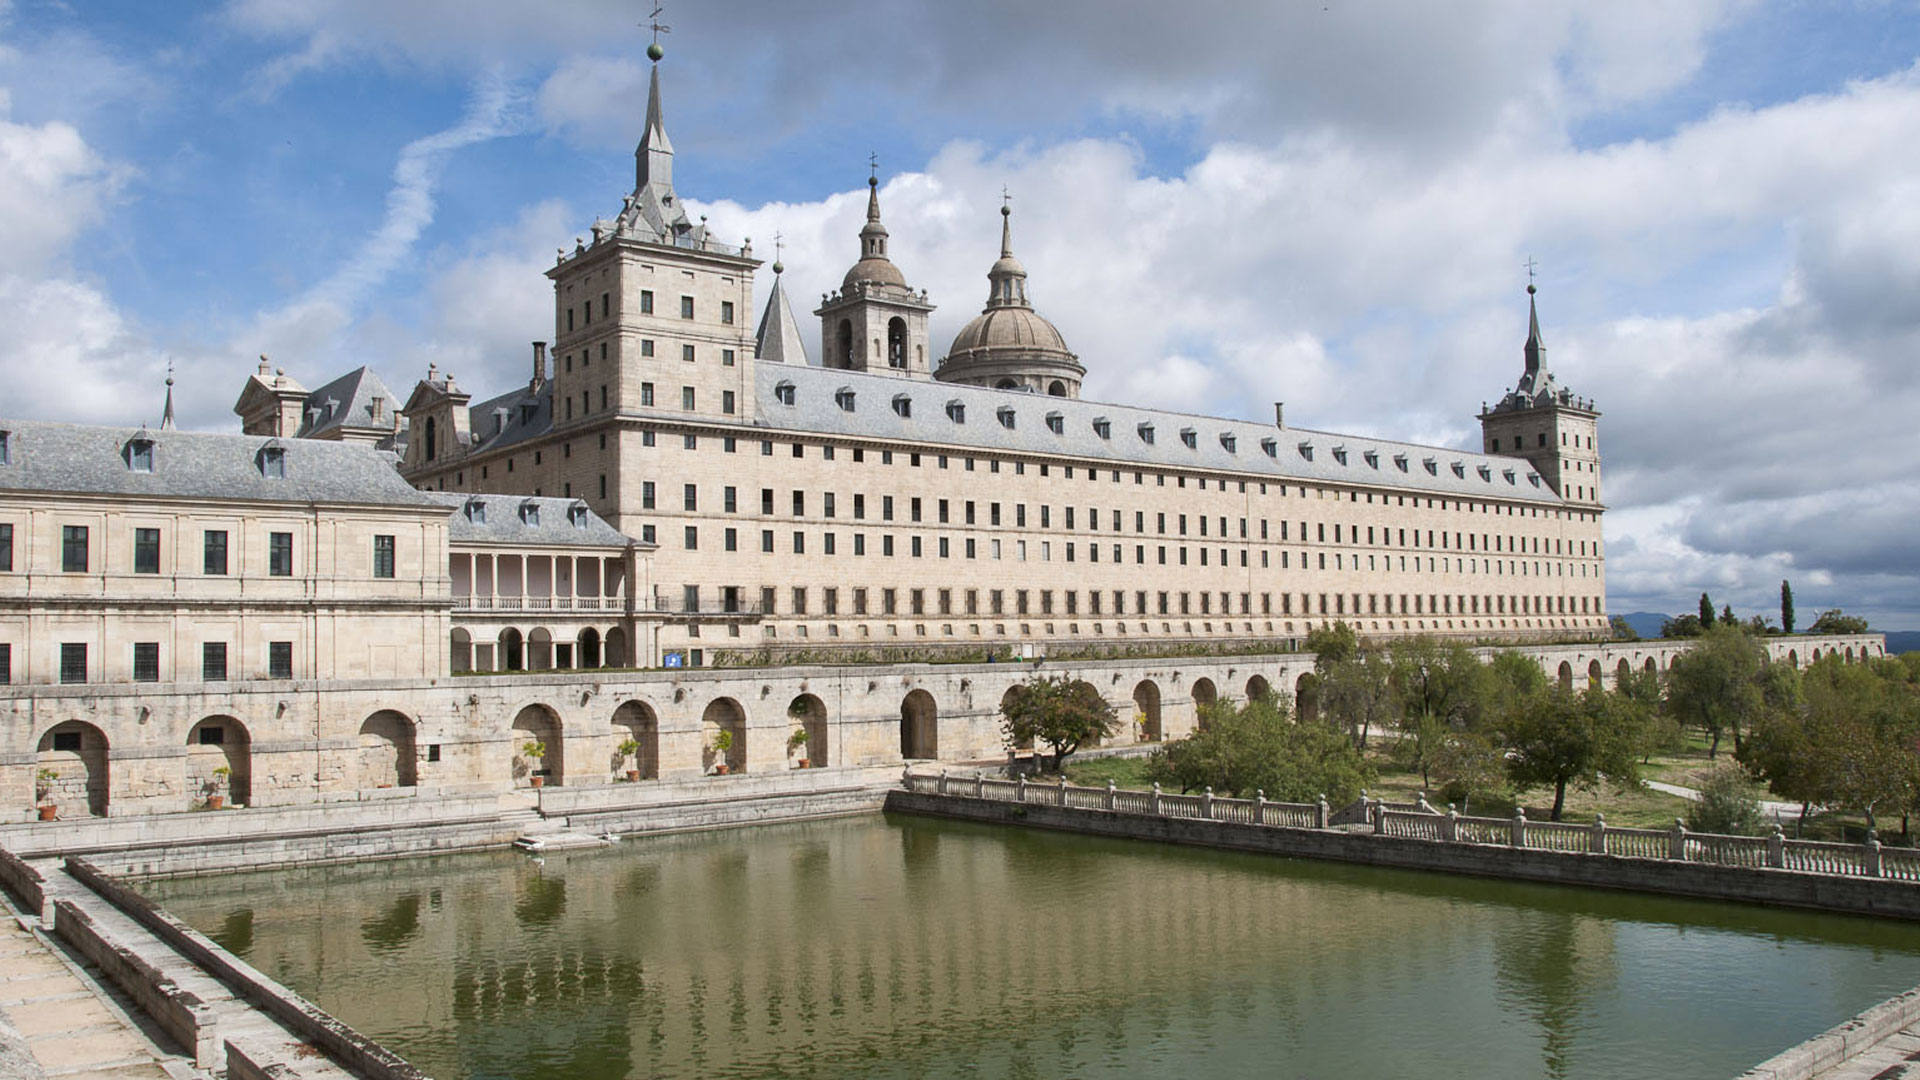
1221, 205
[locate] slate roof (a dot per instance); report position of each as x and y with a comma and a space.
348, 402
778, 340
48, 457
507, 522
1298, 454
511, 418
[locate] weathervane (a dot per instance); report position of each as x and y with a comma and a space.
654, 51
1530, 265
1006, 197
873, 166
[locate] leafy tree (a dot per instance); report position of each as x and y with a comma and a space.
1442, 689
1622, 629
1838, 622
1726, 615
1464, 764
1786, 607
1332, 644
1726, 805
1681, 626
1560, 738
1358, 694
1512, 678
1257, 746
1760, 626
1715, 686
1063, 715
1706, 612
1863, 729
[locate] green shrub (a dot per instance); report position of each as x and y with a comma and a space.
1727, 805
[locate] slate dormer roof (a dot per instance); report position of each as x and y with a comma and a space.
347, 403
506, 521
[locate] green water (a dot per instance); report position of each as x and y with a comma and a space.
907, 947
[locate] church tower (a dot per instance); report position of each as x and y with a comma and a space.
1546, 424
875, 323
1010, 346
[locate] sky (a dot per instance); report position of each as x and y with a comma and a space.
1220, 204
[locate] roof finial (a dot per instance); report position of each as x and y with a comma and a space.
777, 267
873, 187
1006, 223
166, 417
1530, 265
654, 51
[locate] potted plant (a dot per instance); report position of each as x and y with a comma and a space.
216, 795
796, 743
722, 743
629, 748
534, 751
44, 788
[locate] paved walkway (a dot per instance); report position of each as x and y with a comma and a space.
1767, 806
1895, 1057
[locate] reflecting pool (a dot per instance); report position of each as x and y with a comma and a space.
894, 946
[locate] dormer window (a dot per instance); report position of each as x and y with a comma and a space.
1306, 450
527, 411
477, 511
903, 405
1534, 479
1103, 427
1146, 433
6, 447
273, 462
1340, 454
530, 513
1373, 457
1056, 423
140, 454
957, 411
1486, 472
577, 515
1190, 438
843, 397
783, 392
1227, 442
1508, 473
1400, 462
1005, 413
1433, 467
1460, 470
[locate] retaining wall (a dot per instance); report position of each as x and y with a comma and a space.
25, 883
180, 1013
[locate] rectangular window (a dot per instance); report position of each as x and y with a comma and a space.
799, 599
690, 497
799, 543
146, 551
726, 357
766, 540
888, 602
6, 548
686, 307
73, 549
213, 661
726, 312
799, 504
646, 495
730, 540
73, 662
383, 556
279, 659
859, 601
646, 301
726, 402
646, 394
686, 396
692, 538
146, 661
729, 500
214, 557
6, 663
830, 601
280, 554
826, 504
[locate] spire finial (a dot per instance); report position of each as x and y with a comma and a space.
166, 417
777, 267
1006, 223
654, 51
873, 187
1530, 264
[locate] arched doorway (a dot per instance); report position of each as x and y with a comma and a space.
589, 652
615, 647
213, 744
808, 714
1566, 675
1793, 658
70, 768
919, 727
635, 722
538, 724
1652, 666
540, 650
512, 656
1849, 654
1593, 673
1204, 692
386, 757
1306, 697
1258, 688
724, 715
1622, 674
1146, 708
461, 658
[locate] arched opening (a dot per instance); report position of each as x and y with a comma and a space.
1258, 687
540, 650
70, 768
386, 757
1056, 389
588, 652
1622, 674
1306, 697
896, 342
1849, 654
724, 716
615, 648
808, 715
512, 651
1793, 658
636, 723
1652, 666
1006, 384
1593, 673
461, 655
842, 355
1146, 708
919, 727
432, 440
538, 724
1566, 675
215, 744
1204, 692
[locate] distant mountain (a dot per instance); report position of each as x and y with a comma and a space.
1647, 623
1899, 641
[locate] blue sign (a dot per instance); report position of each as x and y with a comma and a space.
676, 659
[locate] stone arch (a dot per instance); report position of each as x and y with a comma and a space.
538, 723
1006, 384
1258, 687
1146, 705
1566, 675
808, 713
460, 653
1652, 666
386, 757
1793, 658
724, 714
1056, 388
1622, 674
1306, 697
614, 648
636, 720
1594, 675
1204, 692
842, 355
511, 656
77, 752
919, 726
586, 653
1849, 654
896, 342
220, 742
540, 649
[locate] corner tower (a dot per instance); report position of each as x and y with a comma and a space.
1544, 423
1010, 346
875, 323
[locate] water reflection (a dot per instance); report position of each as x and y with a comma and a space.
881, 947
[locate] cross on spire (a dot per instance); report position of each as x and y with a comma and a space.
1530, 264
873, 166
654, 24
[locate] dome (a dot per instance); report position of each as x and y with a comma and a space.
873, 271
1008, 329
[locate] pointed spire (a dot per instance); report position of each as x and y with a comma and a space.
166, 417
1535, 350
1007, 277
778, 339
653, 158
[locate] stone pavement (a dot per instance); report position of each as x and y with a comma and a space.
71, 1025
1895, 1057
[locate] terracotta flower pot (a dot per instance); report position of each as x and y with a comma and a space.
806, 763
633, 775
49, 813
216, 802
720, 769
537, 781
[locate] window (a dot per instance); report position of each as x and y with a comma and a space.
686, 307
73, 662
646, 346
1005, 413
214, 557
686, 353
726, 312
73, 549
213, 661
686, 398
692, 539
1146, 433
843, 397
273, 462
6, 663
140, 455
6, 548
726, 357
726, 402
1103, 427
783, 392
646, 301
690, 497
146, 551
383, 552
646, 495
957, 412
6, 444
280, 553
903, 405
1056, 423
730, 540
279, 659
146, 661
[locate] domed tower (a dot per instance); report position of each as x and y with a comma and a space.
875, 323
1009, 345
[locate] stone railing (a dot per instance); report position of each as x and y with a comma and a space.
1419, 821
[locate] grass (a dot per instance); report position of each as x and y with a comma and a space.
1126, 772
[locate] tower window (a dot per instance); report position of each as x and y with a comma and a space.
686, 307
646, 301
726, 312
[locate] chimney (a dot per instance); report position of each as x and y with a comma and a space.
1280, 415
539, 366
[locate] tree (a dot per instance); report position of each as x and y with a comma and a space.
1715, 685
1838, 622
1560, 738
1622, 629
1706, 612
1726, 805
1681, 626
1786, 607
1358, 693
1258, 746
1462, 764
1862, 729
1442, 689
1726, 614
1332, 644
1063, 715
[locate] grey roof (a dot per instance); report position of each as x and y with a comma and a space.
508, 522
73, 458
1297, 453
511, 418
348, 402
778, 340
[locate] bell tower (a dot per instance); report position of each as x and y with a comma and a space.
1544, 423
875, 323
